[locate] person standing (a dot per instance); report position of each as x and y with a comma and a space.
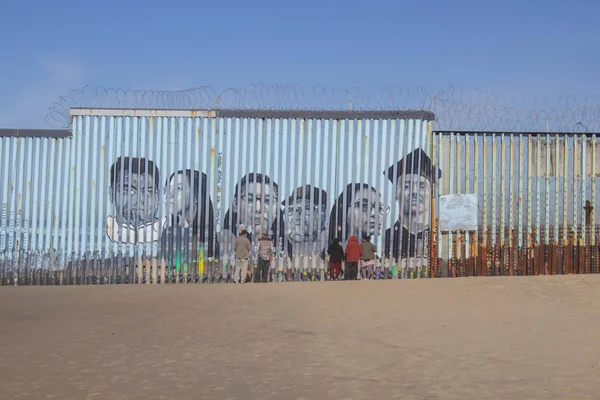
353, 253
367, 258
265, 255
336, 256
242, 254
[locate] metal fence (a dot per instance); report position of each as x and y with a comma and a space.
160, 196
536, 198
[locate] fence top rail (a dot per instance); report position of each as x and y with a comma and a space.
511, 133
36, 133
272, 114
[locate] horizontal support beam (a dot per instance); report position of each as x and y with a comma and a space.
36, 133
274, 114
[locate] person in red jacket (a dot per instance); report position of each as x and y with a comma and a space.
353, 253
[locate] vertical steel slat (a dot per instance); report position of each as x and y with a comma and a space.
453, 190
153, 135
485, 192
416, 145
530, 159
278, 169
106, 210
208, 129
87, 184
216, 132
58, 214
120, 242
20, 179
466, 190
52, 164
538, 180
71, 221
137, 266
521, 183
200, 192
93, 177
593, 189
229, 184
164, 245
212, 225
352, 151
100, 172
494, 150
556, 188
583, 179
511, 195
285, 142
477, 236
565, 189
575, 185
305, 162
393, 142
318, 178
332, 131
405, 136
439, 191
4, 153
547, 187
4, 143
380, 172
28, 223
11, 207
502, 189
342, 181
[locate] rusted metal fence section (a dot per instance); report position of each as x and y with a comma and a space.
537, 203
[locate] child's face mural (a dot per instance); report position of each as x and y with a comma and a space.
367, 212
178, 195
136, 199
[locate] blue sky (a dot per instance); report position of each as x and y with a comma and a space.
511, 47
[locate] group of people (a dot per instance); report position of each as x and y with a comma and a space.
356, 256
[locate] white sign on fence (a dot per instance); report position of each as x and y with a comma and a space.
458, 212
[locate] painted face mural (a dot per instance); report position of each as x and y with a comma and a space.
305, 212
257, 207
415, 196
134, 185
136, 199
366, 212
413, 177
359, 210
181, 201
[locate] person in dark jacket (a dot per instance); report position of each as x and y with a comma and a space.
336, 256
353, 253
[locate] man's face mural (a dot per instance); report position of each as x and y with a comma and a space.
367, 211
301, 214
414, 192
258, 207
136, 198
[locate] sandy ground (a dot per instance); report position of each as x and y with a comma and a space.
472, 338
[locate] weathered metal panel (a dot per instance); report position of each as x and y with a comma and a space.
544, 221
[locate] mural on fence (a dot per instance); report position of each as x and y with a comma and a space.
130, 198
413, 177
149, 182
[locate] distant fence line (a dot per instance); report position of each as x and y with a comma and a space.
455, 108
